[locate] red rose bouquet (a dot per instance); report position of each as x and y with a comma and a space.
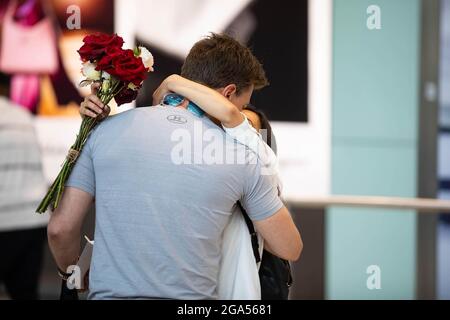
121, 73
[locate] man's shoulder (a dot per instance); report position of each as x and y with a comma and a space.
125, 114
122, 117
137, 119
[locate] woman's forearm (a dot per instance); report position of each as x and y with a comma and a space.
212, 102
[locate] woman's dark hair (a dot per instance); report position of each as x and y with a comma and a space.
265, 125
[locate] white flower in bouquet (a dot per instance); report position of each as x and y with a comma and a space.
147, 58
106, 85
88, 70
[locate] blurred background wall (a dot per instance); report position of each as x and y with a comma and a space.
443, 151
374, 148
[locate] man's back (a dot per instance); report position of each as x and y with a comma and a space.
162, 202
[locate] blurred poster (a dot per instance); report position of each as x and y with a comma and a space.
292, 40
277, 34
280, 35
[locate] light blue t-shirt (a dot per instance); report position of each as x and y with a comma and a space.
159, 219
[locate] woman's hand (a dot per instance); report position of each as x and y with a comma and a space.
93, 107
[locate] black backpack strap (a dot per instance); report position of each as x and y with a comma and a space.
254, 236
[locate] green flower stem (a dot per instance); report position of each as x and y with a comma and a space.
53, 196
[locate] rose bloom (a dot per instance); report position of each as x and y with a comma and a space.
126, 95
95, 46
125, 66
147, 58
106, 62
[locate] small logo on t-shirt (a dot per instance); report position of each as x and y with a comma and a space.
177, 119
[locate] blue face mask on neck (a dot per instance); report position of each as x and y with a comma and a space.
173, 99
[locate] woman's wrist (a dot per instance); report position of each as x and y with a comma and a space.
234, 119
172, 81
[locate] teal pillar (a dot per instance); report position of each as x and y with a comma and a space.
374, 148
